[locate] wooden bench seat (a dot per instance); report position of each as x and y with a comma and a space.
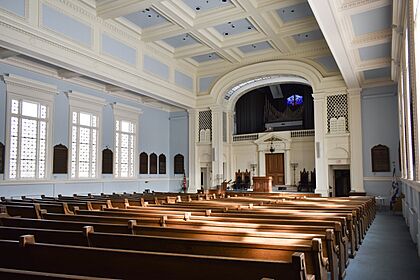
128, 264
19, 274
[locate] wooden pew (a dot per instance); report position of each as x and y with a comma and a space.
246, 247
129, 264
18, 274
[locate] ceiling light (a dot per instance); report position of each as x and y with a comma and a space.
197, 8
226, 33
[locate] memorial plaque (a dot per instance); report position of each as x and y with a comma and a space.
380, 159
60, 159
107, 161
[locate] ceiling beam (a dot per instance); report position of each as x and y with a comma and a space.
324, 14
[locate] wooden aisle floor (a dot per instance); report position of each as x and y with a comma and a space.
387, 253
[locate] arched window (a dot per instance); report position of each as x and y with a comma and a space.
143, 163
179, 164
162, 164
153, 164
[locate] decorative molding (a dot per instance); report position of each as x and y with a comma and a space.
24, 86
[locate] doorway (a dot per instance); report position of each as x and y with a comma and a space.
274, 167
205, 178
342, 182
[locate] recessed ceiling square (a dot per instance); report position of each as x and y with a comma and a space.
206, 57
372, 21
376, 51
295, 12
255, 47
146, 18
232, 28
304, 37
328, 62
180, 41
200, 6
377, 73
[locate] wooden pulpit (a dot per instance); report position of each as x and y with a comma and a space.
263, 184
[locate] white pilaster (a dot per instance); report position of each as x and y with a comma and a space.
217, 145
287, 169
356, 144
321, 167
194, 170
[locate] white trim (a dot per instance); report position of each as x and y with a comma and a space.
126, 111
20, 88
377, 178
131, 114
80, 102
85, 101
26, 87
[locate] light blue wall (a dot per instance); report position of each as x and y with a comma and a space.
183, 80
205, 83
379, 126
15, 6
156, 133
156, 67
178, 145
67, 26
118, 49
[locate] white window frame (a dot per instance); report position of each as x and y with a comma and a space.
24, 89
124, 112
84, 103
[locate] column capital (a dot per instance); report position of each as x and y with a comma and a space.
192, 111
216, 108
354, 92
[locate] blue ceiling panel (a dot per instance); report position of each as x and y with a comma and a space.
146, 18
206, 57
376, 51
377, 73
295, 12
180, 41
255, 47
304, 37
200, 6
234, 27
372, 21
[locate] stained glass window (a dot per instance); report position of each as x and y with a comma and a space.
84, 138
295, 100
28, 139
124, 148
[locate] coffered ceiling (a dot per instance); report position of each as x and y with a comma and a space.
219, 35
215, 36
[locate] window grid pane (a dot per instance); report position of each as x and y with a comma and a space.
28, 140
84, 145
124, 148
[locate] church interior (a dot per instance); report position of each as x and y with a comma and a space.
222, 139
